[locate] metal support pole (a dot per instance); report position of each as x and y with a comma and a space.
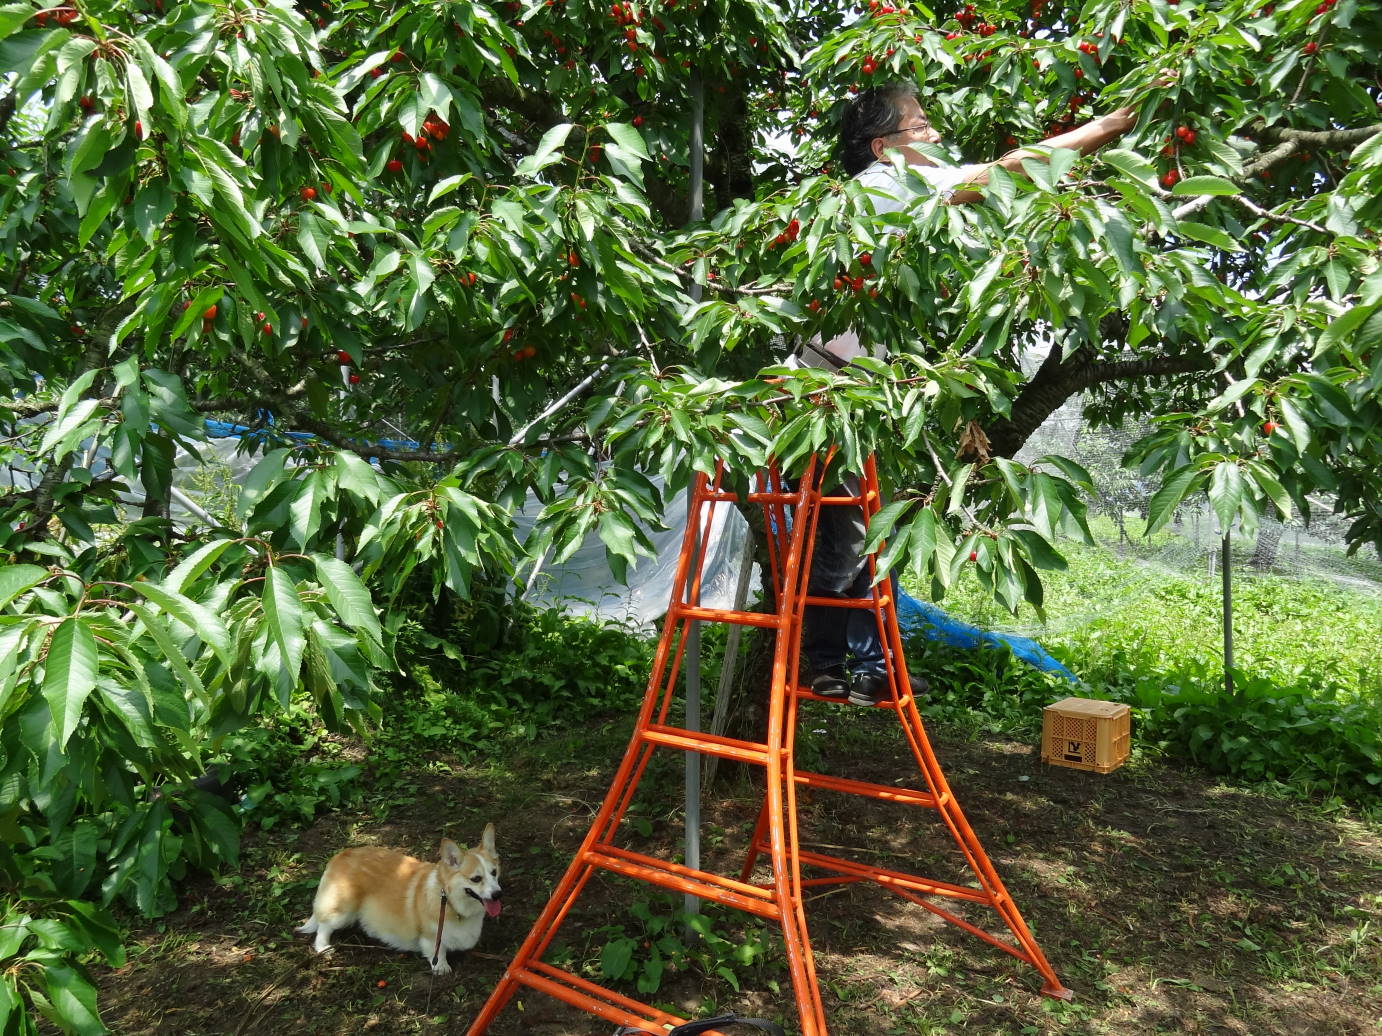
693, 644
1226, 563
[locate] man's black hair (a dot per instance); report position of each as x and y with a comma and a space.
875, 112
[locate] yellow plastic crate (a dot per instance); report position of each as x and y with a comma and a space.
1085, 734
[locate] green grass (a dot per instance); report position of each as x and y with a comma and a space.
1307, 702
1111, 616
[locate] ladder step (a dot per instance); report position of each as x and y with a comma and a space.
691, 611
883, 703
665, 874
720, 496
706, 744
591, 998
850, 602
889, 879
904, 796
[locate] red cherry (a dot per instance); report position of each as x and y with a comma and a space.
1170, 179
394, 166
814, 305
375, 73
87, 103
1310, 47
343, 357
973, 555
209, 313
268, 329
308, 193
838, 284
638, 120
1268, 427
354, 379
866, 259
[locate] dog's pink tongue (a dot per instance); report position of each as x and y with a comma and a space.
492, 907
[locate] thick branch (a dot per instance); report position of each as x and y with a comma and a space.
1053, 384
1288, 142
1321, 138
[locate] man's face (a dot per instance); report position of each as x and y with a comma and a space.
913, 127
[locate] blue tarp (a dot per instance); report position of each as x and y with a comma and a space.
921, 617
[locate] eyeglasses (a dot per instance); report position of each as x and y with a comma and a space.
907, 129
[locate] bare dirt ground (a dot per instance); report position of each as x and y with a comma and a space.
1168, 902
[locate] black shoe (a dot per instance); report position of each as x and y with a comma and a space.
872, 688
869, 689
830, 682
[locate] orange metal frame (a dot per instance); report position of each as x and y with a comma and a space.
789, 515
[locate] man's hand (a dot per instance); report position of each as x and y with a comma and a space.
1120, 120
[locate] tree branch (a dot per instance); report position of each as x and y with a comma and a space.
1053, 384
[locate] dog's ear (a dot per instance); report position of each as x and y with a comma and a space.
450, 854
487, 839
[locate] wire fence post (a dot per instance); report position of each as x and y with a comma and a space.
1226, 563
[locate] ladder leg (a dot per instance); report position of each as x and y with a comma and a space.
953, 817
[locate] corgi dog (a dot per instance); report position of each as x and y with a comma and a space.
398, 899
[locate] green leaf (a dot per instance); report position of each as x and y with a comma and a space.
548, 150
1206, 185
102, 930
190, 568
1131, 165
169, 650
1209, 235
199, 620
1174, 488
65, 434
283, 614
628, 138
1340, 329
348, 596
313, 239
72, 1001
15, 579
13, 17
69, 675
1226, 491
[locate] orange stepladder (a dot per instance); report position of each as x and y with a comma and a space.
789, 512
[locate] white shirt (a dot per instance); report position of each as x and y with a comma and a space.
889, 192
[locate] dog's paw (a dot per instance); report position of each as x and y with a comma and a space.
441, 967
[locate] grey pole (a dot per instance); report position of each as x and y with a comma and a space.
693, 642
1226, 563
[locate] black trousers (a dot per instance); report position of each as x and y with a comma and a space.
839, 568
